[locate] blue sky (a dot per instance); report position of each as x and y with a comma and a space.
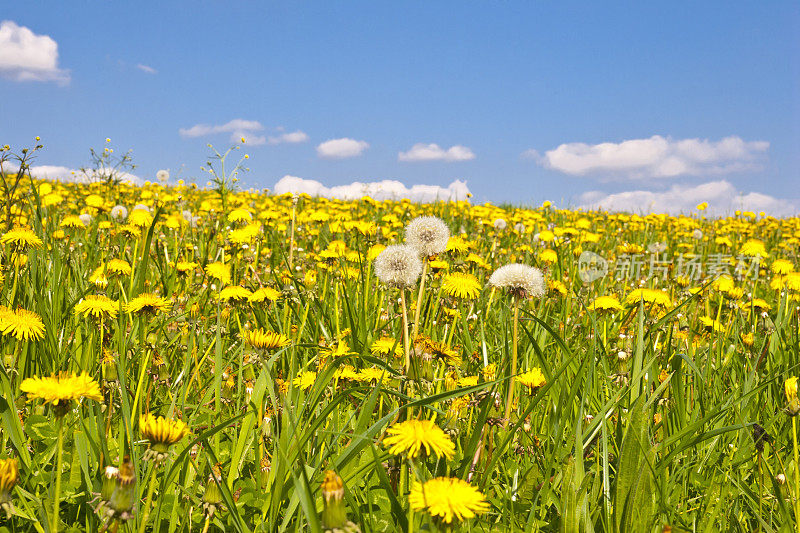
538, 99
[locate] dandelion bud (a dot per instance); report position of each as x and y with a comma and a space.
334, 515
124, 495
212, 497
790, 386
9, 474
266, 467
109, 483
780, 479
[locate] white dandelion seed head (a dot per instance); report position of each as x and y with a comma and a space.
141, 206
697, 234
398, 266
519, 227
86, 218
524, 280
162, 175
119, 212
500, 224
427, 235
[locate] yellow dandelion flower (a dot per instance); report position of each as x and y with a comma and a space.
782, 267
385, 346
9, 475
461, 285
234, 293
548, 256
58, 390
119, 267
790, 387
219, 271
410, 437
371, 375
532, 379
185, 267
754, 247
162, 433
457, 245
97, 307
711, 325
240, 215
140, 218
447, 499
266, 340
649, 296
606, 303
265, 294
22, 324
21, 238
72, 221
305, 379
148, 303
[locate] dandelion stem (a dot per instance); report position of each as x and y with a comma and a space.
796, 475
515, 340
59, 454
291, 233
415, 326
406, 347
150, 488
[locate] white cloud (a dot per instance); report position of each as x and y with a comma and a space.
146, 68
290, 138
722, 197
341, 148
378, 190
433, 152
656, 157
25, 56
237, 127
59, 173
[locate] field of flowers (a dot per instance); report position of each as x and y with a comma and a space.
210, 359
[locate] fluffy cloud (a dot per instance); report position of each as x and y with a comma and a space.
59, 173
237, 127
434, 152
341, 148
146, 68
722, 197
656, 157
290, 138
379, 190
25, 56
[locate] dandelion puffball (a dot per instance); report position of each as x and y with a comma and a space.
119, 212
398, 266
427, 235
521, 280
